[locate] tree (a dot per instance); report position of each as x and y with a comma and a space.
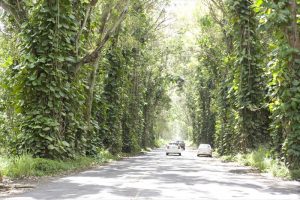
281, 22
63, 44
248, 76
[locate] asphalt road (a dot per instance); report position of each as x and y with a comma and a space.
157, 176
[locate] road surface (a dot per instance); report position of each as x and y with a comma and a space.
157, 176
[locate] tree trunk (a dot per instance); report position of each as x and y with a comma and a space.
292, 30
90, 91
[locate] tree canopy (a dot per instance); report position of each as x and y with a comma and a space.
82, 75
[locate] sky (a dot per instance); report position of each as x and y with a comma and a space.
182, 9
182, 17
183, 5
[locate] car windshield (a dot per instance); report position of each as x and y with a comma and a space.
204, 146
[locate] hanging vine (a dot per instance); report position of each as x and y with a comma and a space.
249, 79
51, 119
281, 19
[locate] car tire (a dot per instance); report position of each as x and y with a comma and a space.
179, 154
167, 154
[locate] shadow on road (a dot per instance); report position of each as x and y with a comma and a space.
156, 176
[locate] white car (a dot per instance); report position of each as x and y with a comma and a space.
204, 149
173, 148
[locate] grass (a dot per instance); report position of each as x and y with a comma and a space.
261, 160
27, 166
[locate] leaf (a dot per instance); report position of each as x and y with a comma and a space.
48, 138
46, 129
296, 82
65, 143
71, 59
61, 58
50, 104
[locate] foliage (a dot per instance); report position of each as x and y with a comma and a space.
248, 81
51, 120
282, 15
83, 78
246, 76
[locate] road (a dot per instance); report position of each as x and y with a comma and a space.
157, 176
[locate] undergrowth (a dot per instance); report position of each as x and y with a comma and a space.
27, 166
263, 161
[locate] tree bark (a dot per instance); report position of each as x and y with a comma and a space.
292, 30
90, 91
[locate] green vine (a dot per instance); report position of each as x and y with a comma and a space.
249, 79
51, 121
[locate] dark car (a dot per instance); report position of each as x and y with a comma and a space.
181, 144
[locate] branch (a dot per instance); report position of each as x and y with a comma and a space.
86, 17
93, 56
11, 10
156, 28
157, 24
220, 5
104, 19
214, 16
156, 21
